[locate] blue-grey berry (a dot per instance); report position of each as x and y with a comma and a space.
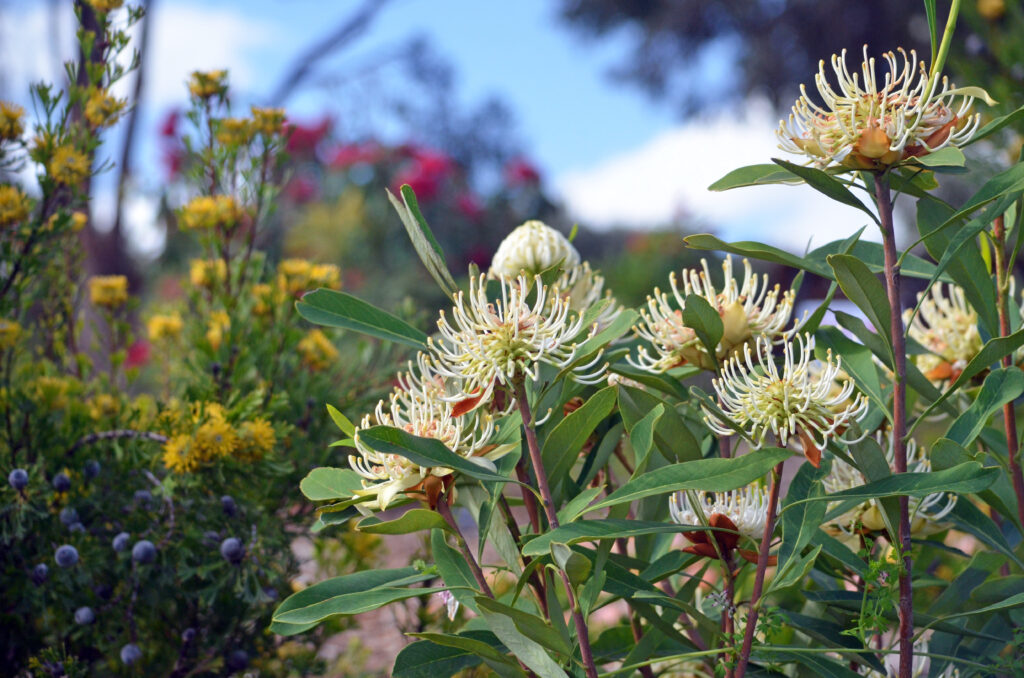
237, 660
61, 482
39, 573
130, 654
68, 516
91, 469
18, 478
121, 541
232, 549
227, 503
143, 498
144, 551
188, 635
66, 555
84, 616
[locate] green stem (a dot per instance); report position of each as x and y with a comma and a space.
947, 38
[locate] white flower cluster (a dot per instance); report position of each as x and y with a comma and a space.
747, 310
746, 508
868, 123
947, 326
808, 401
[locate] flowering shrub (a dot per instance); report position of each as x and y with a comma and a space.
835, 500
148, 444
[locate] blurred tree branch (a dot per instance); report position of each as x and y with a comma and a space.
349, 30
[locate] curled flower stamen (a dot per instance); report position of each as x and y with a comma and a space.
870, 124
487, 343
747, 310
811, 405
947, 326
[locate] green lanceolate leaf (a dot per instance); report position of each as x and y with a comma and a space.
964, 478
800, 525
528, 651
641, 436
530, 625
754, 175
1000, 387
426, 452
575, 565
856, 360
482, 647
454, 570
671, 436
337, 309
426, 659
341, 421
708, 475
349, 594
413, 520
997, 124
324, 484
705, 321
861, 287
827, 184
562, 446
423, 240
950, 156
990, 353
596, 530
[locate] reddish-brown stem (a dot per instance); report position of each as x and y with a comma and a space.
536, 582
1002, 303
762, 566
529, 501
478, 574
519, 392
899, 417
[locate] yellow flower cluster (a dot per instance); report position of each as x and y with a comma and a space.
213, 437
207, 213
220, 322
207, 272
11, 125
14, 205
68, 166
204, 85
317, 351
10, 332
103, 109
109, 291
51, 392
296, 276
164, 327
106, 5
103, 406
268, 121
234, 131
266, 298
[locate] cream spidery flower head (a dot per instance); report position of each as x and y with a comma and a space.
926, 513
747, 310
746, 507
920, 666
584, 288
947, 326
531, 248
801, 401
486, 343
871, 124
416, 407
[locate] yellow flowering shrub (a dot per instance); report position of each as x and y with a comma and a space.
109, 291
14, 205
12, 125
68, 166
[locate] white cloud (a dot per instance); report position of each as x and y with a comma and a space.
665, 182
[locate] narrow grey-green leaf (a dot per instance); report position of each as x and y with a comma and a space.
705, 321
426, 452
754, 175
596, 530
708, 475
530, 625
426, 659
529, 652
1000, 387
827, 184
561, 447
341, 421
861, 287
338, 309
326, 483
413, 520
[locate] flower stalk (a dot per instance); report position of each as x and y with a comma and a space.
1002, 304
899, 418
467, 553
762, 565
519, 392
